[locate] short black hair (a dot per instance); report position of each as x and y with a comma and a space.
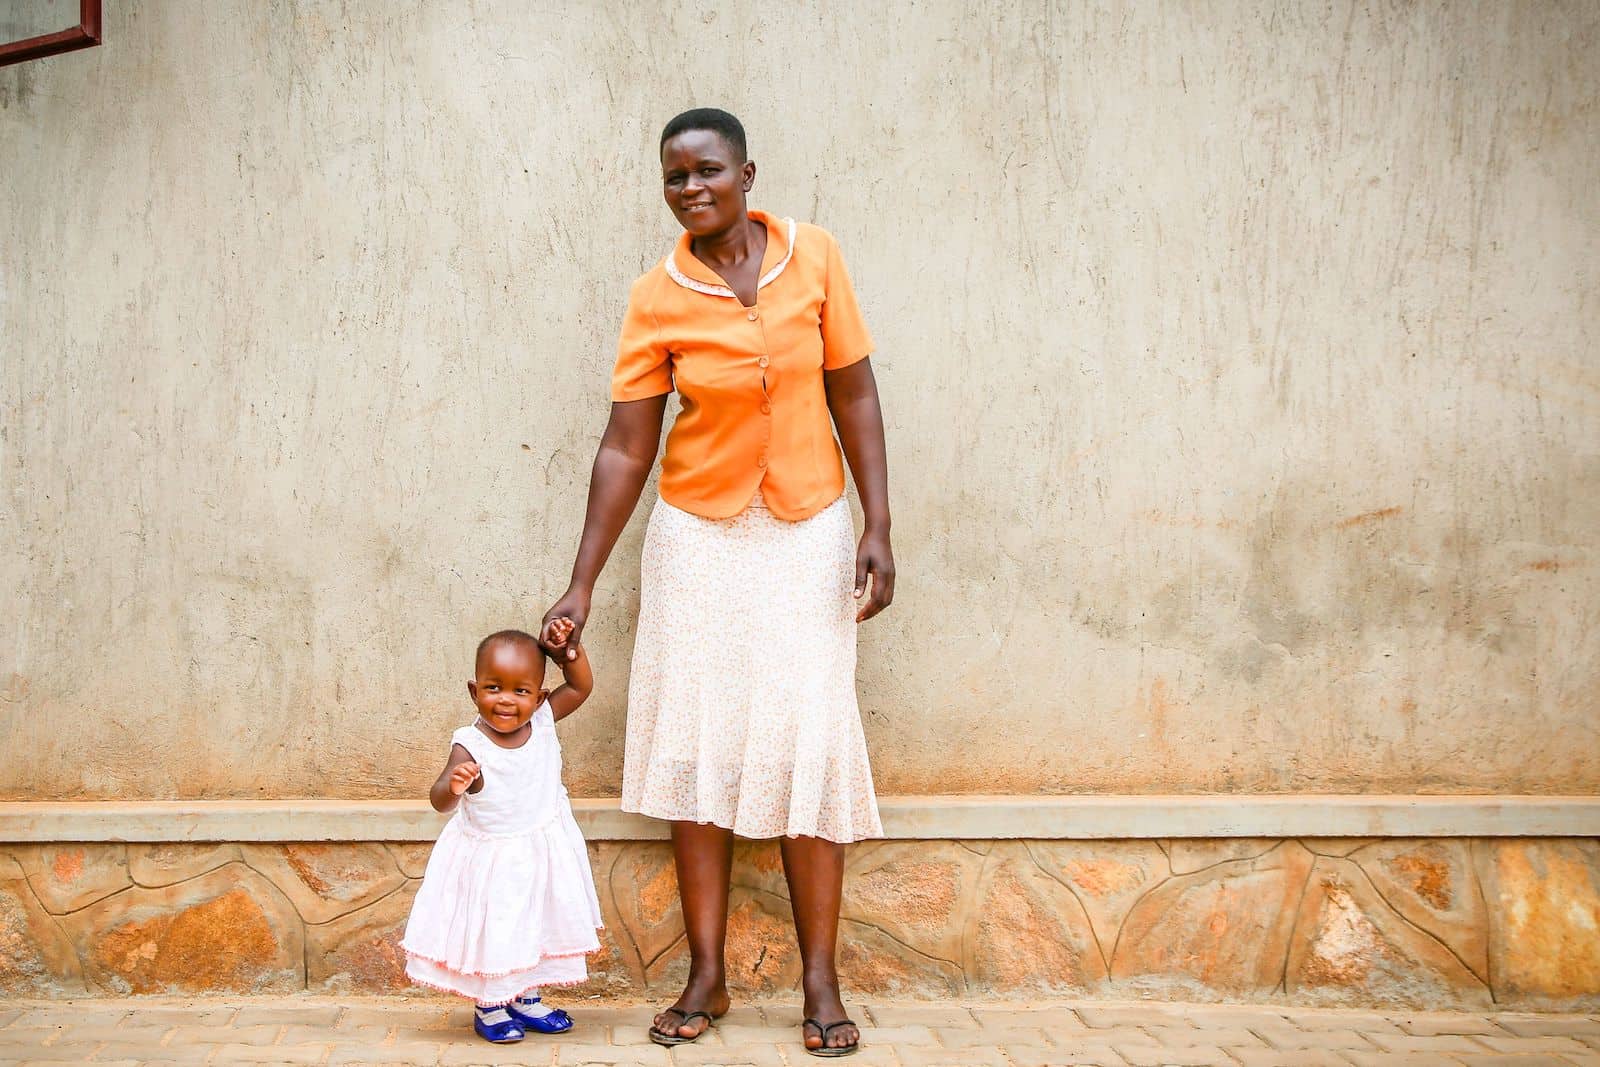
714, 119
507, 637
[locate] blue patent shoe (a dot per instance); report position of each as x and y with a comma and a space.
497, 1025
554, 1021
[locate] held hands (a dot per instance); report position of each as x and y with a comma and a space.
874, 559
557, 631
562, 630
462, 777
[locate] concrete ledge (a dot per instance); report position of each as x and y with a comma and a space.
905, 818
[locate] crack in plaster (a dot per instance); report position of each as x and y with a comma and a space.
368, 906
180, 881
1402, 917
1094, 934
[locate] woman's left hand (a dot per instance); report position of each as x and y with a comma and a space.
874, 559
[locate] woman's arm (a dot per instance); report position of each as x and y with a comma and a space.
853, 401
621, 466
460, 774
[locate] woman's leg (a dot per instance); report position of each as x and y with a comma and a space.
815, 871
703, 856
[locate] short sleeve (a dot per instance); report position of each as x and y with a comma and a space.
845, 339
467, 737
644, 368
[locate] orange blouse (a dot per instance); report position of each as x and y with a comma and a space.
749, 379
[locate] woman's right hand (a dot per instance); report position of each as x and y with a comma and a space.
573, 605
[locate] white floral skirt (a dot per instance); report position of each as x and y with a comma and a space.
742, 703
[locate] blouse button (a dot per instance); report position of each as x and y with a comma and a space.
761, 461
751, 315
766, 408
762, 362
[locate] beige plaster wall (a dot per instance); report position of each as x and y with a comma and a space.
1239, 363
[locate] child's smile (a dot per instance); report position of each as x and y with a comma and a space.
509, 686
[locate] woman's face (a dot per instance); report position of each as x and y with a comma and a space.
704, 182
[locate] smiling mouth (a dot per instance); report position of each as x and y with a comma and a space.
696, 207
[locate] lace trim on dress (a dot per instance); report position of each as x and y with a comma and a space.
722, 290
514, 970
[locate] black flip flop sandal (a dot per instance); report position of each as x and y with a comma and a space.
826, 1052
687, 1017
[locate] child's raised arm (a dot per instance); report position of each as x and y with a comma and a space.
579, 683
460, 775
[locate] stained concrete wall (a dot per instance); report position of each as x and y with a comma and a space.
1239, 363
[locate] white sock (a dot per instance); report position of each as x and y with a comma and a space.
528, 1004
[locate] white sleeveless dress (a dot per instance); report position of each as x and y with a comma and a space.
507, 902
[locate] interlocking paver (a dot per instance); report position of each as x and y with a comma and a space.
32, 1040
1105, 1016
113, 1051
1395, 1059
1275, 1057
190, 1014
932, 1016
971, 1036
871, 1053
269, 1054
419, 1032
1524, 1024
1433, 1024
621, 1054
1191, 1056
1050, 1016
1365, 1021
752, 1054
67, 1016
91, 1031
1085, 1052
1227, 1016
402, 1013
1536, 1044
416, 1055
1432, 1043
289, 1014
1193, 1036
480, 1052
971, 1056
1289, 1037
262, 1034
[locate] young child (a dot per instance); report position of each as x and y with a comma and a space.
507, 904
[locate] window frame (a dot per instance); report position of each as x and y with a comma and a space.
86, 34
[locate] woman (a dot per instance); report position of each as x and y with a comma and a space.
742, 714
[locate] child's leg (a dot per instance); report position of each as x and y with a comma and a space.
534, 1015
496, 1024
528, 1004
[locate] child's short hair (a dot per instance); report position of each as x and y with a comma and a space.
507, 637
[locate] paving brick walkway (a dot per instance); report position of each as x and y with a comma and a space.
322, 1030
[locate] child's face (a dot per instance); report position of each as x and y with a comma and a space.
509, 685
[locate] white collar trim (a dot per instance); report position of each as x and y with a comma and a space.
722, 290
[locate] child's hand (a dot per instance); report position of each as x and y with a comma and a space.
462, 777
558, 631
